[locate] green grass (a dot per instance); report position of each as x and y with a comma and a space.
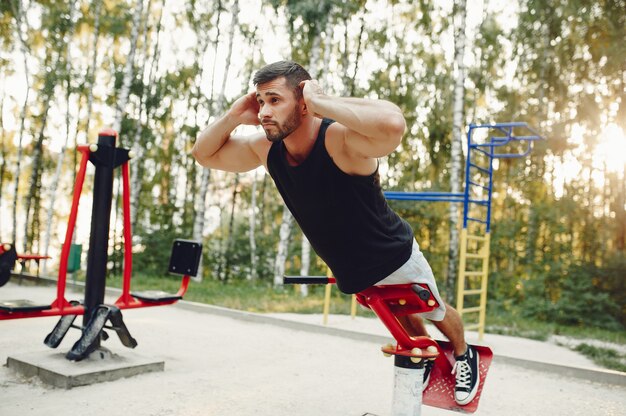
605, 357
513, 323
251, 296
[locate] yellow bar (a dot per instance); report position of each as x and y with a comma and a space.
473, 274
353, 307
326, 303
475, 237
472, 326
327, 299
462, 264
472, 309
476, 256
473, 292
483, 297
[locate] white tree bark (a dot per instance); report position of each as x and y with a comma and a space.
129, 72
52, 191
24, 49
252, 233
283, 247
457, 138
200, 202
92, 69
138, 145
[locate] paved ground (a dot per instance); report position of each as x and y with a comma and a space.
219, 362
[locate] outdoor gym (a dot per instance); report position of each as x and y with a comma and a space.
368, 208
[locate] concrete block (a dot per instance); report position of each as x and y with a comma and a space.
101, 365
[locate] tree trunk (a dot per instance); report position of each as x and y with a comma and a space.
456, 151
18, 17
283, 247
52, 192
220, 107
139, 145
3, 155
91, 74
252, 225
35, 181
229, 242
120, 107
200, 202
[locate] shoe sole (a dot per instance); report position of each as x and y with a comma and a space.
475, 389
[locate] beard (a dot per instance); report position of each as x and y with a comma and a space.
280, 131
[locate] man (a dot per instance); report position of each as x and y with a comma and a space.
321, 152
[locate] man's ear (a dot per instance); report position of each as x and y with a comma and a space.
305, 110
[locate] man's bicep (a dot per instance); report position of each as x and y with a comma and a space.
238, 154
365, 146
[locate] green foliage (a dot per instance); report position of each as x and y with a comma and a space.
580, 301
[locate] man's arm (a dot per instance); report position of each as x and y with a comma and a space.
372, 128
217, 148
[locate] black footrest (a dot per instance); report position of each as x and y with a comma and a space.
156, 296
93, 331
55, 337
22, 305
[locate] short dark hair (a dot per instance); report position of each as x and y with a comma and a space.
293, 72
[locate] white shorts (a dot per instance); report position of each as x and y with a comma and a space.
417, 270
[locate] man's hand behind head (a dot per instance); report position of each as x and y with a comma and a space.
310, 90
246, 110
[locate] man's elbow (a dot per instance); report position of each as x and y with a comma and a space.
199, 156
396, 126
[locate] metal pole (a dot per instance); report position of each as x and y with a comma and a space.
408, 382
104, 160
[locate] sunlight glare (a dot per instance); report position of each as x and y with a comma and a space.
611, 148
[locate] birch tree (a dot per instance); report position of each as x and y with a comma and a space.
221, 107
22, 31
92, 68
457, 138
200, 200
252, 226
139, 144
129, 73
52, 190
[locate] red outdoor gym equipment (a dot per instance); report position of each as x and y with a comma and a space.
184, 260
391, 302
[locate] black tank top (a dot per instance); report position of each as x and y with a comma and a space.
346, 218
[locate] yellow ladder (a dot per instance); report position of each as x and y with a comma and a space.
473, 255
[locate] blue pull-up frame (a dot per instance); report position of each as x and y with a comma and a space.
491, 148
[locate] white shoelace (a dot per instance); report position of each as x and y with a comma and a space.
463, 373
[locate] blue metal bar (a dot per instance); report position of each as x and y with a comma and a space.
479, 201
487, 149
477, 220
398, 196
483, 151
477, 184
480, 168
489, 193
392, 193
467, 174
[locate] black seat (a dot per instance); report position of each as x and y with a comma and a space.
22, 305
155, 296
184, 260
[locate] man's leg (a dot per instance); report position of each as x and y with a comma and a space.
451, 326
466, 368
